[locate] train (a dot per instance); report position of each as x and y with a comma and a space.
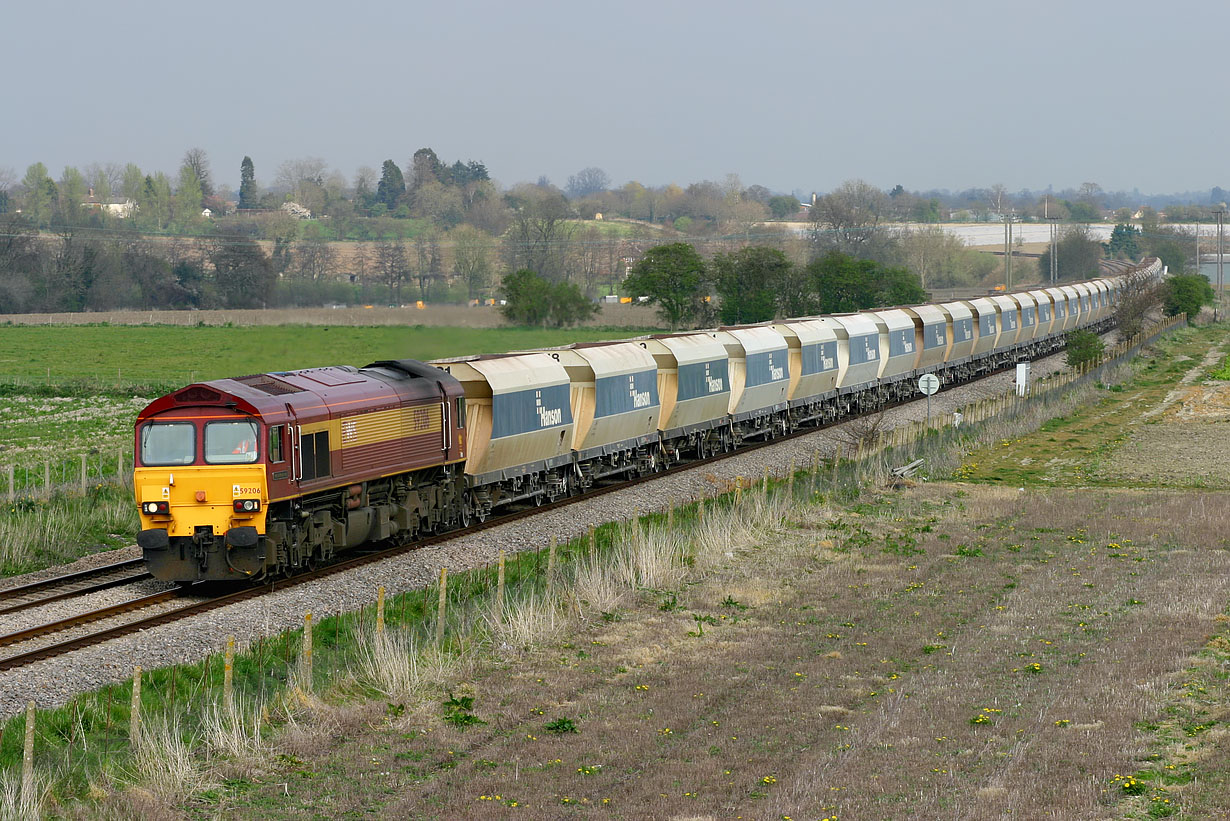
262, 476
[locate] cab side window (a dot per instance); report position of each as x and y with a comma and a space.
275, 444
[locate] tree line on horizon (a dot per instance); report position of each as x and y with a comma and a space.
447, 232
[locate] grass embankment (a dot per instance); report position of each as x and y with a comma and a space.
946, 650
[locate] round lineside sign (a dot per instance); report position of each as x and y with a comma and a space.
928, 383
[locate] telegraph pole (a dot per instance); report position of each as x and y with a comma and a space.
1054, 237
1221, 222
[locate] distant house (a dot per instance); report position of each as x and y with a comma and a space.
206, 213
120, 208
117, 208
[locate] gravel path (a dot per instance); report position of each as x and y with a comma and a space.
54, 681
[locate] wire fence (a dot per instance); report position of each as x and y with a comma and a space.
74, 473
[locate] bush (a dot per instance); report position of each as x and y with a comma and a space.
1186, 294
1083, 346
531, 300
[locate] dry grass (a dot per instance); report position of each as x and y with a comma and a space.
17, 806
166, 762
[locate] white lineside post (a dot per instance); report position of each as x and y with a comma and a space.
27, 758
134, 712
228, 676
441, 604
379, 610
306, 663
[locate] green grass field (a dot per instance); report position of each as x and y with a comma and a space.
108, 357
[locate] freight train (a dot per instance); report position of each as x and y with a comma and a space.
266, 475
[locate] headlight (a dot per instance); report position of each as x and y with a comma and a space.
156, 508
247, 505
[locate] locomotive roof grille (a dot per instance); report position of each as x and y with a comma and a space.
268, 384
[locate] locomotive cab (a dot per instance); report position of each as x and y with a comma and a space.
201, 492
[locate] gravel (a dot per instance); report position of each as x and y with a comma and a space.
54, 681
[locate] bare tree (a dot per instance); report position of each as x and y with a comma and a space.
1139, 294
198, 161
472, 258
541, 228
391, 268
848, 219
314, 260
588, 181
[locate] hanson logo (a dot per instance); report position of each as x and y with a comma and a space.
713, 385
775, 374
640, 399
547, 417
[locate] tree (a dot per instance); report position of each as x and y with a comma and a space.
747, 282
531, 300
1187, 294
942, 260
198, 161
783, 207
247, 184
1083, 346
844, 283
538, 237
848, 219
673, 277
39, 200
188, 196
527, 298
426, 167
1139, 293
391, 266
392, 186
243, 272
132, 182
587, 181
1077, 255
472, 258
1123, 242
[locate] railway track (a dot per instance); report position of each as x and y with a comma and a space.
212, 601
71, 585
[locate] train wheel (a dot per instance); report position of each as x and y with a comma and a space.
467, 510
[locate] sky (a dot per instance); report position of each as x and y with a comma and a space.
794, 96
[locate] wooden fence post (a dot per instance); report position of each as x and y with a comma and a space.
12, 483
593, 542
46, 479
551, 563
440, 607
134, 713
499, 584
228, 676
670, 515
307, 650
84, 473
379, 610
27, 758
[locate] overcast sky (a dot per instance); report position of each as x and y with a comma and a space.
789, 95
